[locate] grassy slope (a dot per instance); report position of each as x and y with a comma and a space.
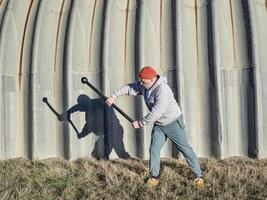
233, 178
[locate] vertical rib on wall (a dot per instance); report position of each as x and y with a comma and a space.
258, 16
15, 45
47, 78
212, 52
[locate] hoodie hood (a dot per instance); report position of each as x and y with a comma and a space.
160, 80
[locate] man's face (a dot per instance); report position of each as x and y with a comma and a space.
147, 83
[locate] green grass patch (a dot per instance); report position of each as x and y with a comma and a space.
232, 178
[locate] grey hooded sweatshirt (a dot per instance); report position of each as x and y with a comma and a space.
159, 99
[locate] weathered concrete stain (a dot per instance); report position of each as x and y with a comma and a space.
161, 34
125, 59
91, 33
22, 44
233, 31
56, 47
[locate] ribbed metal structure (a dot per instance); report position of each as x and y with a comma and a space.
212, 51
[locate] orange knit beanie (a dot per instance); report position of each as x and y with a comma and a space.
147, 73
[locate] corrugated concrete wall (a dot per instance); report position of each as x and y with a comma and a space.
212, 51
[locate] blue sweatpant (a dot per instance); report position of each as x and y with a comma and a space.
175, 131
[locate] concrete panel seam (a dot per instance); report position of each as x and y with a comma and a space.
198, 4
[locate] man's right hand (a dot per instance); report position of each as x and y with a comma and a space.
110, 101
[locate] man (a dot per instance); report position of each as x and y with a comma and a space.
165, 114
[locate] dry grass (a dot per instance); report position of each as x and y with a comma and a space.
233, 178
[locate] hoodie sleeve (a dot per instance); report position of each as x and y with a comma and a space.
132, 89
161, 103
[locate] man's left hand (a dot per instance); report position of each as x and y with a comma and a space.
135, 124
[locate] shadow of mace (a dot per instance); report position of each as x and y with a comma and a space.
45, 100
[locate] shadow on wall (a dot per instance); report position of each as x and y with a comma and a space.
102, 121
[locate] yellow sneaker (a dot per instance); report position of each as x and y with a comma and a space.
152, 182
199, 182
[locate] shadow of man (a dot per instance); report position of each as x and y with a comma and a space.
102, 121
